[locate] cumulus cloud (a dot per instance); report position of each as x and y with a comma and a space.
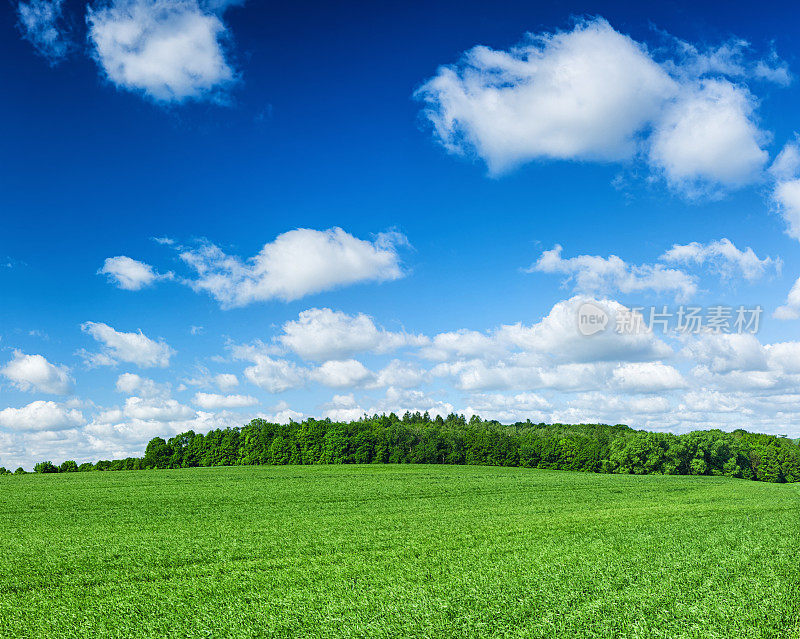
41, 416
135, 348
785, 171
215, 401
707, 138
133, 384
724, 258
321, 334
271, 374
790, 310
593, 93
41, 23
509, 408
342, 374
401, 374
596, 274
130, 274
295, 264
35, 373
582, 94
168, 50
226, 381
647, 377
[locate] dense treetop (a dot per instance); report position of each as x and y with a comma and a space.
419, 439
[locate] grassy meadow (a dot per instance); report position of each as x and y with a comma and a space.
397, 551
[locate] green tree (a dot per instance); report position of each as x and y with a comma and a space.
45, 467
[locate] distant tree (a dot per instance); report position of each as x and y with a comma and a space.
20, 471
157, 454
68, 466
45, 467
4, 471
86, 467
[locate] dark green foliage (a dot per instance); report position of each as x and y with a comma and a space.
4, 471
418, 439
20, 471
68, 466
45, 467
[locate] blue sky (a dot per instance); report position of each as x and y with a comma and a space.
654, 144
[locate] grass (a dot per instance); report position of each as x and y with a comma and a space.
397, 551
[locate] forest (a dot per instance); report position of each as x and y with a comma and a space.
420, 439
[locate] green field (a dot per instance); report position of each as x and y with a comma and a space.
397, 551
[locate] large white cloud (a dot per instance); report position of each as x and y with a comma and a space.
342, 374
41, 416
295, 264
582, 94
169, 50
321, 334
35, 373
593, 93
135, 348
708, 137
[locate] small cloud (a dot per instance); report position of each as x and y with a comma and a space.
135, 348
41, 23
129, 274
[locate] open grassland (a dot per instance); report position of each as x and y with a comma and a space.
397, 551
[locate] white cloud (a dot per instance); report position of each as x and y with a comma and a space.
226, 381
593, 93
583, 94
790, 310
132, 384
130, 274
723, 353
321, 334
214, 401
270, 374
401, 374
596, 274
295, 264
135, 348
463, 343
342, 374
508, 408
732, 59
35, 373
169, 50
724, 258
785, 170
41, 416
42, 25
647, 377
707, 137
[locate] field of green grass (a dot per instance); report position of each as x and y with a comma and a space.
397, 551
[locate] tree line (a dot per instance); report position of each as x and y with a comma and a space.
420, 439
